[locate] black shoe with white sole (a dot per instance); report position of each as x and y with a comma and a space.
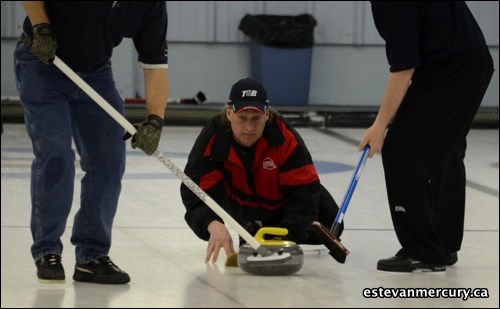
101, 270
404, 264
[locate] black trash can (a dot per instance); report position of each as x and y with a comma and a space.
281, 55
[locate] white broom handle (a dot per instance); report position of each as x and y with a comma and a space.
94, 95
163, 159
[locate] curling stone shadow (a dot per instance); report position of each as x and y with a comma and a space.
220, 286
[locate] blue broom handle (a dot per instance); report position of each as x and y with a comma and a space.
352, 185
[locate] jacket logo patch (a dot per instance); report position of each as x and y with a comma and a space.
268, 164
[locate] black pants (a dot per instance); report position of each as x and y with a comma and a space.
424, 150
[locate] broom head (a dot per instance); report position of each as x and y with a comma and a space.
337, 250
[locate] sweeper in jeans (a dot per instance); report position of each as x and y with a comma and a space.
257, 167
57, 112
440, 68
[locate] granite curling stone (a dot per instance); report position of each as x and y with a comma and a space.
287, 257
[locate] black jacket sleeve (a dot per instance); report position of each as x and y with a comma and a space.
198, 214
301, 210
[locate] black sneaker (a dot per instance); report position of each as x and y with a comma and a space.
404, 264
101, 270
451, 258
50, 269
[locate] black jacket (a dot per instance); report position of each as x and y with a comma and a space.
274, 182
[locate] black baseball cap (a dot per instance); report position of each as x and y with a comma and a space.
246, 94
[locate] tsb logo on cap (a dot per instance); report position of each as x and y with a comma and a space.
249, 93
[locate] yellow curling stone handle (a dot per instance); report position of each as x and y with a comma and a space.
277, 231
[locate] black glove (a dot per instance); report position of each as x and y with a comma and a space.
44, 43
148, 134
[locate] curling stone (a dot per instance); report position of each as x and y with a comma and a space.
287, 257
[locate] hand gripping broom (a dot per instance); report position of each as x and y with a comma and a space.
330, 237
169, 164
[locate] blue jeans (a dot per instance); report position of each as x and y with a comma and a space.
56, 112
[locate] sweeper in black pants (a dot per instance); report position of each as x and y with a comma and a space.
440, 68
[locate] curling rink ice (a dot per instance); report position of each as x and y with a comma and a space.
165, 260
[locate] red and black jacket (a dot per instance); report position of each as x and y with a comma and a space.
278, 185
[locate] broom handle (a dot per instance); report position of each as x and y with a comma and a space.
160, 156
347, 197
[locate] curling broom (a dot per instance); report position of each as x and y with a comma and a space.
330, 238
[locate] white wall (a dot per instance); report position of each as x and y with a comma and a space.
207, 52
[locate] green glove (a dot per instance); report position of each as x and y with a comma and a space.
44, 43
148, 134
